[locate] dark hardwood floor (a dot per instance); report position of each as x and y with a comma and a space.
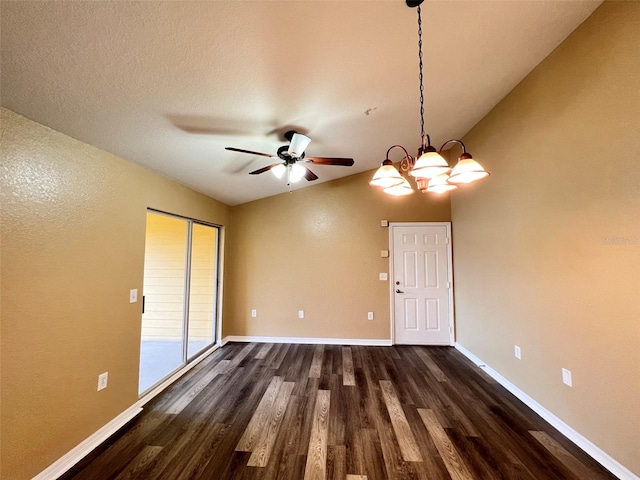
280, 411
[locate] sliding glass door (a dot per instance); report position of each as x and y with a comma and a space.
180, 295
203, 288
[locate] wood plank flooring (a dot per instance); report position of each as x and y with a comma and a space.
302, 412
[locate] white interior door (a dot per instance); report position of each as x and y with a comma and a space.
422, 287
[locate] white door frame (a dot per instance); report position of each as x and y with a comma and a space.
391, 274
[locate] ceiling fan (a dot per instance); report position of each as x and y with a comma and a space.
293, 159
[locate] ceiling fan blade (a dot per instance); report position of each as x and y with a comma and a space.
309, 175
264, 169
248, 151
344, 162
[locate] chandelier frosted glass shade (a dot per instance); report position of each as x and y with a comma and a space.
467, 170
430, 164
399, 190
387, 176
439, 184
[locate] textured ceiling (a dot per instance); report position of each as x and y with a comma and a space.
168, 85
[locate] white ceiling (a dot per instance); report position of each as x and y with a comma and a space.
168, 85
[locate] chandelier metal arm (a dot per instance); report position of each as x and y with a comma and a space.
406, 154
453, 140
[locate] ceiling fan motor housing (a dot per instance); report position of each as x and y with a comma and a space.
288, 159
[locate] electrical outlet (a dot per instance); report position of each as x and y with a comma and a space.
102, 380
133, 295
369, 315
566, 377
254, 313
383, 276
517, 352
300, 313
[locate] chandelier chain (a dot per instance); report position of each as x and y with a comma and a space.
421, 75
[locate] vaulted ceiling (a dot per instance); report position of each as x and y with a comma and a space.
169, 84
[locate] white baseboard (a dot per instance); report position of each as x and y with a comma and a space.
373, 342
64, 463
608, 462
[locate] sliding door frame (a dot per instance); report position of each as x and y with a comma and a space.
218, 289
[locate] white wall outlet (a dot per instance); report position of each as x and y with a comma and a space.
383, 276
566, 377
517, 352
254, 313
384, 223
384, 253
300, 313
133, 295
102, 380
369, 315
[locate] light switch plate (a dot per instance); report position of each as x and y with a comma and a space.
300, 313
517, 352
383, 276
133, 295
566, 377
384, 223
254, 313
384, 253
102, 380
369, 315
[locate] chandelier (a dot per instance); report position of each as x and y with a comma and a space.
431, 171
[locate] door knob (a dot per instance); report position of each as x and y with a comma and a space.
399, 291
397, 282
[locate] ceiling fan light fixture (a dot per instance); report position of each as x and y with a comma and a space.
279, 170
467, 170
298, 145
399, 190
288, 165
297, 173
387, 176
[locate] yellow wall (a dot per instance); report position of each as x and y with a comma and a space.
547, 251
318, 250
73, 235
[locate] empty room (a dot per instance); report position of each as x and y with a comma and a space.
319, 240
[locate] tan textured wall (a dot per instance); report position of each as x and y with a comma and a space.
318, 250
547, 253
73, 233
